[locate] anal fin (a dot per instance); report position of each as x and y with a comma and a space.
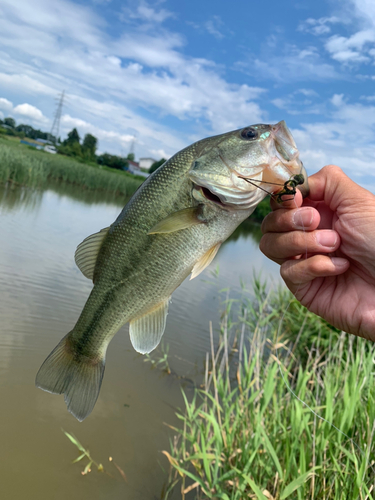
147, 330
204, 261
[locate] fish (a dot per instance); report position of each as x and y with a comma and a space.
171, 228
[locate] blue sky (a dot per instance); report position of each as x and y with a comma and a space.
169, 73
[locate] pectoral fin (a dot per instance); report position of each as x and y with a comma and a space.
179, 220
87, 252
204, 261
147, 330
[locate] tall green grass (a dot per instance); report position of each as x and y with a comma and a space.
244, 435
25, 166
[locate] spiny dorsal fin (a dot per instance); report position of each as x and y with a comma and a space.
182, 219
204, 261
87, 252
147, 330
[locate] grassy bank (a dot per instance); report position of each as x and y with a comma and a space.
244, 435
26, 166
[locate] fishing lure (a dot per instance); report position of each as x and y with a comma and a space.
290, 187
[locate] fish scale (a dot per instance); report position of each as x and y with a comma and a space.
172, 226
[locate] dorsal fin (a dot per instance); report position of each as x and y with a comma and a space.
87, 252
182, 219
204, 261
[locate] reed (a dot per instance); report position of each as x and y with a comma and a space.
26, 166
244, 435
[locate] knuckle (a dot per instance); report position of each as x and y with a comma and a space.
265, 223
263, 244
332, 169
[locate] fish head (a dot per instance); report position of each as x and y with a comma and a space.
238, 169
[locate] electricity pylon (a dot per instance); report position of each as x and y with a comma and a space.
56, 122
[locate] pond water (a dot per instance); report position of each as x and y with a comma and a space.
42, 294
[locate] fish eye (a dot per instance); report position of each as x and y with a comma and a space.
249, 133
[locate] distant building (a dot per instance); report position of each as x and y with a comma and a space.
44, 141
133, 164
146, 163
135, 169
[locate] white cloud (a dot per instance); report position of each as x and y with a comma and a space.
159, 154
318, 26
350, 49
345, 139
337, 100
5, 104
300, 102
23, 82
280, 103
30, 111
144, 12
369, 98
307, 92
214, 27
365, 9
290, 65
75, 122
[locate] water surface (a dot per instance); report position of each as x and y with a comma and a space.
41, 295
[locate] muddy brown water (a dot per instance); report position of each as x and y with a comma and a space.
41, 295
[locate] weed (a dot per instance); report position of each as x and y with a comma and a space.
246, 436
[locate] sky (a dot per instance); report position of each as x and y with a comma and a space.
158, 75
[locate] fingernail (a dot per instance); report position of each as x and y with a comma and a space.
326, 238
303, 217
339, 262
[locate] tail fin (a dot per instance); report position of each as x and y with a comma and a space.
77, 377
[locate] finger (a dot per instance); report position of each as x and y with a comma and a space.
299, 272
287, 201
281, 246
305, 218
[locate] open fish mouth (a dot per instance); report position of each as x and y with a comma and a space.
269, 161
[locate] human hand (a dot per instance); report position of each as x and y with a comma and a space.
326, 247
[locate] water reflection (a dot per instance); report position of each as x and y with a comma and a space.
13, 197
87, 196
248, 228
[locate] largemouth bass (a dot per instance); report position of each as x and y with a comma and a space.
173, 226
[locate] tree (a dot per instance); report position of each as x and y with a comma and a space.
89, 145
26, 129
11, 122
71, 146
73, 136
130, 157
156, 165
112, 161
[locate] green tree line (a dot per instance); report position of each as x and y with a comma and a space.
84, 150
